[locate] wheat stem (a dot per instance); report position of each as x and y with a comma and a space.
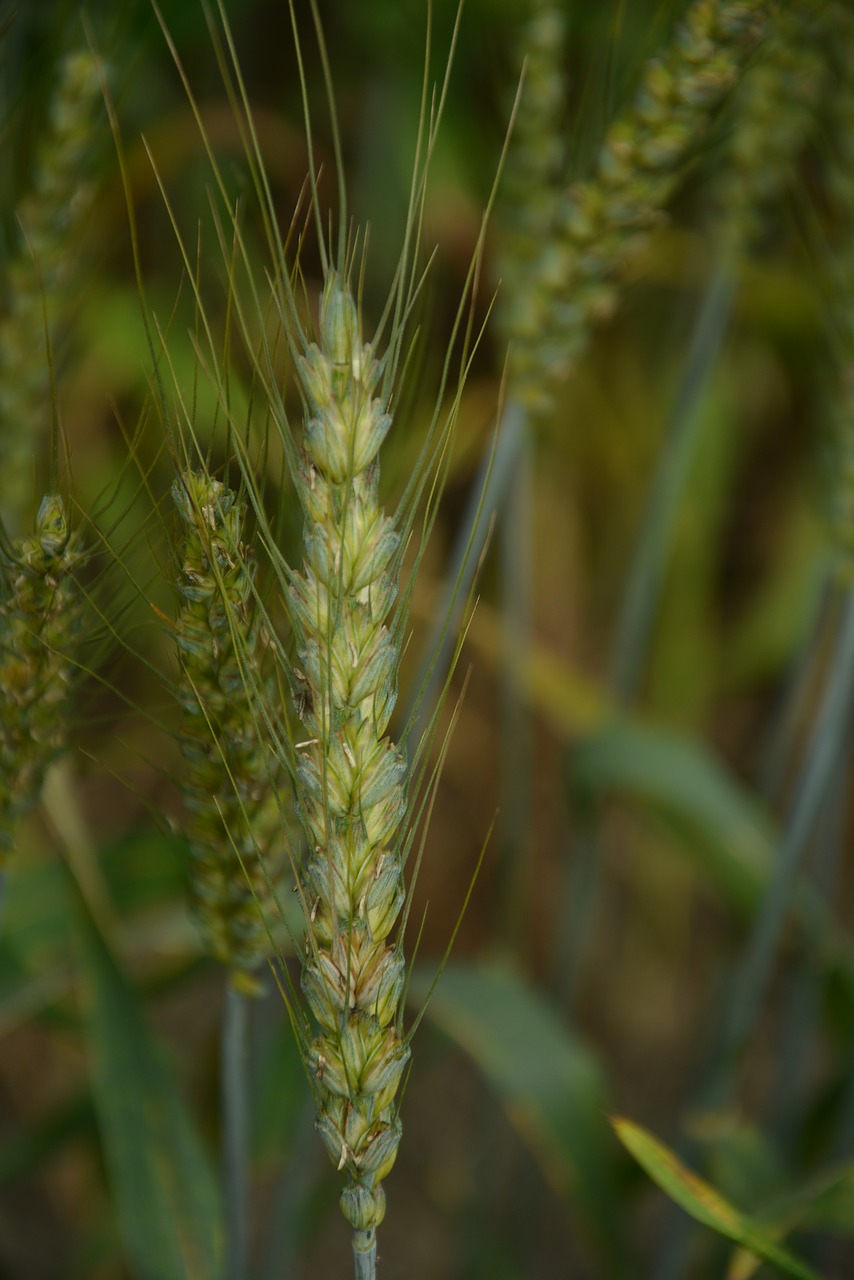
365, 1254
517, 785
646, 574
235, 1115
487, 496
825, 740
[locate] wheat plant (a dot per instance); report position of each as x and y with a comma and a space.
358, 798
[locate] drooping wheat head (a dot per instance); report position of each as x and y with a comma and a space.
601, 223
774, 115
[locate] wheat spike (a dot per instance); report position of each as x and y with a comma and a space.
774, 116
38, 277
40, 615
351, 778
602, 222
234, 828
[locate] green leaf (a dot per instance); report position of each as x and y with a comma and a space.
682, 781
704, 1203
825, 1203
165, 1193
719, 822
549, 1083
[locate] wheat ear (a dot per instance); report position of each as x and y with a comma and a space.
774, 111
602, 222
351, 778
41, 609
38, 277
230, 781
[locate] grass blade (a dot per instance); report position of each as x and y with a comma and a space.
549, 1083
683, 782
163, 1185
703, 1203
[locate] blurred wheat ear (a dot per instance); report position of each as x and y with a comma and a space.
41, 595
41, 610
52, 217
231, 780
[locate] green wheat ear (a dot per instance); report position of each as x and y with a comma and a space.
774, 112
231, 779
38, 278
601, 222
41, 609
351, 777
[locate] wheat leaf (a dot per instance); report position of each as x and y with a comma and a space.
164, 1189
547, 1080
703, 1202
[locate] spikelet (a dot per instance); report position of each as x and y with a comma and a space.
351, 779
39, 275
774, 116
602, 222
229, 786
41, 610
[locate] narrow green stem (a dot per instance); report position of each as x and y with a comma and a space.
668, 489
365, 1254
827, 737
487, 496
235, 1065
517, 787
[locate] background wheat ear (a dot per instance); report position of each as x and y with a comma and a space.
41, 610
231, 777
42, 270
